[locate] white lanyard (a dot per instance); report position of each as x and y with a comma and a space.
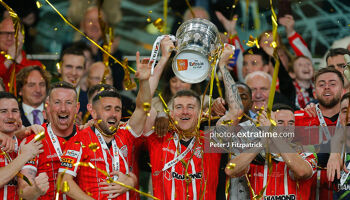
176, 160
56, 145
115, 157
155, 50
6, 163
285, 176
324, 126
328, 136
54, 141
181, 156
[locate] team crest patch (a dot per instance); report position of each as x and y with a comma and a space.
124, 150
198, 152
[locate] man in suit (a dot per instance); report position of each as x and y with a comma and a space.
32, 86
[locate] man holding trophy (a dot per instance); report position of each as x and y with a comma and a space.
177, 159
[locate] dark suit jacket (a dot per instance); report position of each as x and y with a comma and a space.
24, 118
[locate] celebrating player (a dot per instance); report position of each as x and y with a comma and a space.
108, 145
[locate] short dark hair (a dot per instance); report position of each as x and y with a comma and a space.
99, 87
246, 86
62, 84
337, 52
22, 76
187, 93
7, 95
258, 51
106, 93
280, 106
73, 50
329, 70
345, 96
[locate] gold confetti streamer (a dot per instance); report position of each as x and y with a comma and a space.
65, 187
159, 24
40, 136
93, 146
128, 83
231, 166
110, 179
191, 10
39, 4
126, 68
253, 42
165, 16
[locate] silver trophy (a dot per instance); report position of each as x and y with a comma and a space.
197, 41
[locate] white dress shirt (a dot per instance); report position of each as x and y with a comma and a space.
28, 112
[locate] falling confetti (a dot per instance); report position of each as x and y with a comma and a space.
40, 136
93, 146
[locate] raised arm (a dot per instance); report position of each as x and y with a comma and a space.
233, 98
166, 46
144, 97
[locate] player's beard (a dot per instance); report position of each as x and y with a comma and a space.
331, 103
108, 130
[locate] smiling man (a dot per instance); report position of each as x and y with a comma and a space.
62, 106
32, 86
114, 145
180, 167
329, 88
9, 124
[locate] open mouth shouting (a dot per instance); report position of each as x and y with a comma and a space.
63, 118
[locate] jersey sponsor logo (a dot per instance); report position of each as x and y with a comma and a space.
31, 162
198, 152
97, 159
52, 156
124, 150
344, 187
280, 197
197, 175
2, 160
258, 174
72, 153
67, 162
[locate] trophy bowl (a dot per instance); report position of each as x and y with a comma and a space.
197, 40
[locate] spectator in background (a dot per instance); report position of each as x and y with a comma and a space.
295, 40
96, 72
32, 86
335, 59
28, 12
72, 68
302, 72
88, 57
18, 59
260, 82
91, 27
255, 59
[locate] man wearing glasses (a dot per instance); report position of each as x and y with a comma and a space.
12, 58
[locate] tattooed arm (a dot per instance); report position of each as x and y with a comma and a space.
233, 98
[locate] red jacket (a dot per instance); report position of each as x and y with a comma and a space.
5, 73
